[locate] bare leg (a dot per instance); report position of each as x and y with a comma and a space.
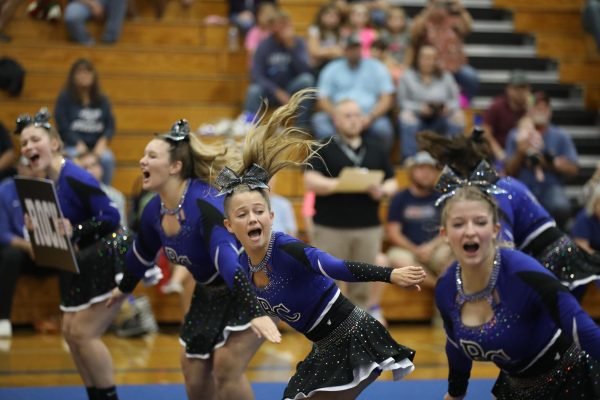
83, 334
348, 394
86, 376
231, 361
199, 380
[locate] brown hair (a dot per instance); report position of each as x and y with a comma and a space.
71, 88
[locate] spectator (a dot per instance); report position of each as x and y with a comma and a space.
266, 13
338, 228
428, 99
542, 155
586, 230
445, 24
324, 40
367, 82
413, 221
379, 51
396, 35
242, 13
505, 112
7, 10
592, 184
359, 24
84, 117
279, 69
78, 12
91, 163
591, 19
285, 219
7, 154
16, 253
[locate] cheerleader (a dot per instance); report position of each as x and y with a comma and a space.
91, 220
295, 282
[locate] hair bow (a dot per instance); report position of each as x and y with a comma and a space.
483, 178
179, 131
255, 177
40, 119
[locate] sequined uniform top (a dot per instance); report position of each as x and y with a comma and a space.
85, 204
523, 218
301, 287
202, 245
533, 311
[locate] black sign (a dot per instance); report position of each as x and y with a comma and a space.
39, 201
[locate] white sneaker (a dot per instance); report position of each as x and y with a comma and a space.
5, 328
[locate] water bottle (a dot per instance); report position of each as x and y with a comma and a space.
233, 39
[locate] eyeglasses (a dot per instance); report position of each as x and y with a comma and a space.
41, 120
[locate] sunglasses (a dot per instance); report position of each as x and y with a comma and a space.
41, 120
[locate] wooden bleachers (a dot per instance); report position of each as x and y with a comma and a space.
161, 71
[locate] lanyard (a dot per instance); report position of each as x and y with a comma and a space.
356, 158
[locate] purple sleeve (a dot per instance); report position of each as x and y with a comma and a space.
349, 271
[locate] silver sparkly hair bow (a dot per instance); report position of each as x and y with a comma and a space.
255, 177
180, 130
40, 119
483, 178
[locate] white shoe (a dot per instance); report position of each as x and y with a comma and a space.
5, 328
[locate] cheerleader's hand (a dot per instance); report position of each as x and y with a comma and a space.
265, 327
116, 297
152, 276
409, 276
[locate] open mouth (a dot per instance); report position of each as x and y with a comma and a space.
470, 247
34, 158
146, 174
254, 233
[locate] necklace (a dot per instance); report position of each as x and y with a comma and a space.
263, 263
486, 293
175, 211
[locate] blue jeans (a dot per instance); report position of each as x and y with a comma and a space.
381, 129
467, 79
77, 14
256, 94
410, 127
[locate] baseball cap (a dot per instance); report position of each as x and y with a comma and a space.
518, 77
421, 158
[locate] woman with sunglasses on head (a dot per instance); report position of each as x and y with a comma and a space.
502, 306
523, 220
225, 323
295, 282
89, 217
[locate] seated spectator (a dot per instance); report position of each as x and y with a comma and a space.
413, 221
359, 24
285, 218
78, 12
7, 10
91, 163
84, 117
7, 154
505, 112
242, 14
542, 155
396, 36
364, 80
16, 252
428, 100
445, 24
586, 230
324, 37
280, 69
379, 51
591, 185
266, 13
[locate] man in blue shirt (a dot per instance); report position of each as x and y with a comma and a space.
364, 80
280, 69
542, 155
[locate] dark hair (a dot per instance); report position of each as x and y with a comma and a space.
70, 87
317, 22
437, 70
462, 153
